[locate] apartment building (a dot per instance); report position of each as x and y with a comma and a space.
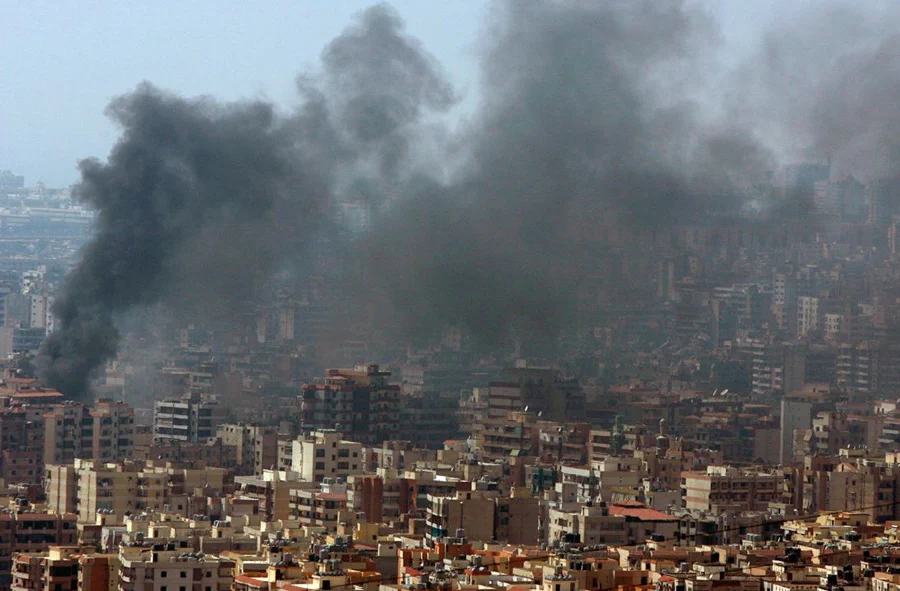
852, 486
193, 417
471, 511
119, 488
724, 488
98, 572
104, 432
776, 367
796, 414
33, 434
56, 569
621, 439
25, 532
517, 432
88, 487
547, 391
21, 444
167, 567
319, 508
382, 497
326, 454
593, 525
517, 518
626, 523
256, 446
357, 401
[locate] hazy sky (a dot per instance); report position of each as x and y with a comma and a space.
62, 61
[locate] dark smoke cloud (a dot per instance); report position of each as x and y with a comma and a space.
820, 85
594, 117
182, 169
586, 114
199, 202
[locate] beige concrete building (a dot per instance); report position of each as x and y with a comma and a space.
471, 511
724, 488
61, 486
88, 487
256, 446
55, 569
142, 568
517, 518
594, 525
326, 454
104, 432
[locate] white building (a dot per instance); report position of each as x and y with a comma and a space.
325, 453
807, 315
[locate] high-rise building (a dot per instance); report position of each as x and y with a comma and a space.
22, 449
665, 279
256, 446
776, 367
795, 414
193, 417
42, 312
358, 402
104, 432
807, 315
723, 488
326, 454
31, 532
546, 391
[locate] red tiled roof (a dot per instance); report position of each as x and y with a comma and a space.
252, 581
642, 514
332, 496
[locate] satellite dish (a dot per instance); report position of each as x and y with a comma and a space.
724, 392
526, 408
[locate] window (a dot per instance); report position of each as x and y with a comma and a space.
163, 588
183, 575
163, 574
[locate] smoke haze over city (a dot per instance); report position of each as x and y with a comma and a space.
589, 115
560, 295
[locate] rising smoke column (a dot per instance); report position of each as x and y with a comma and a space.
591, 111
200, 202
593, 115
181, 168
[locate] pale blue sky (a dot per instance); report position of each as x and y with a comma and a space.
62, 61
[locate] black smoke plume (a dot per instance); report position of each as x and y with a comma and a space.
183, 169
596, 119
199, 201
